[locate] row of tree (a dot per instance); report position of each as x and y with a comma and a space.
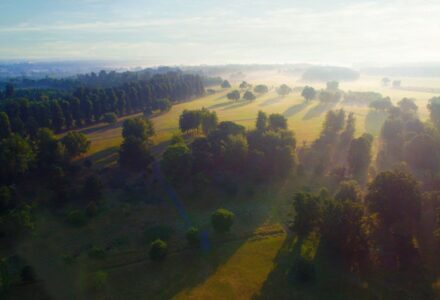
85, 106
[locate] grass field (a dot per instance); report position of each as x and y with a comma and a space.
305, 119
250, 263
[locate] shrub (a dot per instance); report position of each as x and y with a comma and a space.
193, 236
158, 250
76, 218
222, 220
110, 118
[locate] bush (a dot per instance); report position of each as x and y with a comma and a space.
158, 232
76, 218
158, 250
110, 118
97, 253
303, 271
222, 220
193, 236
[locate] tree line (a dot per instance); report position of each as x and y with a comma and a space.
87, 105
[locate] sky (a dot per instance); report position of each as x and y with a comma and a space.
193, 32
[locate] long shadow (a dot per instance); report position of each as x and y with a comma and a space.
100, 128
374, 121
237, 105
318, 110
293, 110
218, 105
271, 101
105, 157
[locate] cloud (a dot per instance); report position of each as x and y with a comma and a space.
269, 31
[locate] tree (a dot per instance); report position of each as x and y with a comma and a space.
244, 85
158, 250
261, 89
235, 151
249, 96
383, 104
397, 83
333, 85
225, 84
359, 156
5, 126
16, 157
110, 118
349, 191
261, 121
76, 143
308, 93
395, 198
190, 120
50, 151
434, 111
134, 154
234, 95
209, 121
193, 236
163, 104
222, 220
327, 96
306, 214
284, 90
422, 153
385, 81
58, 120
138, 128
342, 232
277, 121
407, 105
176, 162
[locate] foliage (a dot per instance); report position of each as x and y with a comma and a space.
349, 191
225, 84
234, 95
193, 236
222, 220
158, 250
306, 214
134, 154
277, 121
76, 143
261, 123
110, 118
76, 218
249, 96
261, 89
308, 93
97, 253
284, 90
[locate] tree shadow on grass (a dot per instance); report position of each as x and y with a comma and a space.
374, 121
105, 157
100, 128
293, 110
238, 104
271, 101
318, 110
219, 105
